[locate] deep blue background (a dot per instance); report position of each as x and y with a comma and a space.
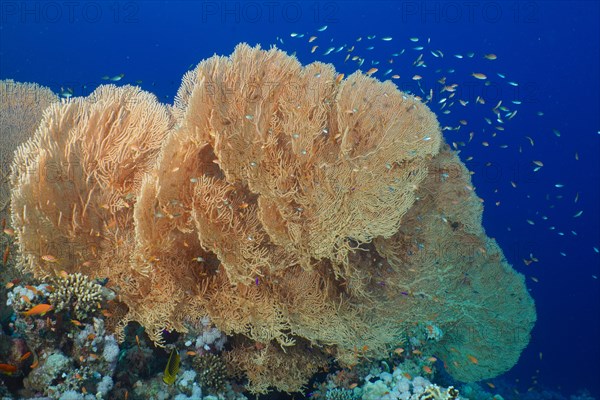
551, 48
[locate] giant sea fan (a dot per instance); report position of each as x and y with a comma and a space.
295, 208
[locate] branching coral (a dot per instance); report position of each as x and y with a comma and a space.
211, 372
434, 392
76, 293
322, 164
305, 214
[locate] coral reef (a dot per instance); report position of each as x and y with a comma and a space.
89, 368
310, 219
51, 370
434, 392
54, 355
20, 298
398, 385
383, 380
186, 387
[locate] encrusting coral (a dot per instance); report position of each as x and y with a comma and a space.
306, 215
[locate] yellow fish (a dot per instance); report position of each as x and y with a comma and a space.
172, 368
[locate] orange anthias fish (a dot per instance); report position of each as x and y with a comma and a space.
40, 309
473, 359
35, 361
49, 258
7, 369
32, 288
372, 71
5, 256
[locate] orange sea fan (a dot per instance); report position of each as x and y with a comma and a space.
76, 179
297, 210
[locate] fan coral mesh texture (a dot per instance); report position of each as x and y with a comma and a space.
21, 109
97, 149
306, 215
451, 270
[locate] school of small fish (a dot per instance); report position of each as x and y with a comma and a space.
438, 84
442, 96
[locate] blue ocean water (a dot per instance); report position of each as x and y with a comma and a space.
550, 49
